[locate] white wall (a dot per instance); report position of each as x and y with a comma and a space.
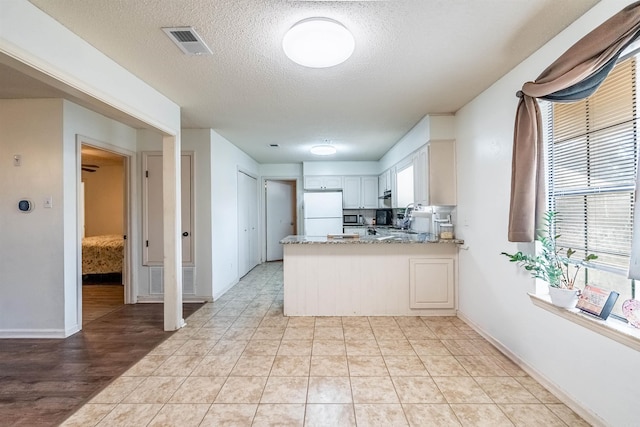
198, 141
597, 373
341, 168
226, 160
39, 251
104, 200
31, 246
427, 129
289, 170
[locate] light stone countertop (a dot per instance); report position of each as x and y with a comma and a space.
402, 238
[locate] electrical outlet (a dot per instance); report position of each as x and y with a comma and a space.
48, 202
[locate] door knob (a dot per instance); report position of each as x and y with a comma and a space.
185, 234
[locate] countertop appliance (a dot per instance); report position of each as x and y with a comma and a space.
350, 219
322, 213
384, 217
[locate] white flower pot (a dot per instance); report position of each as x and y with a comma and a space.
564, 298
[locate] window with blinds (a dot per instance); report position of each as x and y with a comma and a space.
592, 152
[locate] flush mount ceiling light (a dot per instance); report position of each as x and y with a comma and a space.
318, 43
323, 150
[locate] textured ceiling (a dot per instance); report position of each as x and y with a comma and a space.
412, 58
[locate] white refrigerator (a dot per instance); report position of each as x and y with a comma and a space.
322, 213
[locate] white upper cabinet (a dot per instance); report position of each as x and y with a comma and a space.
369, 192
384, 186
351, 192
421, 176
360, 192
435, 172
320, 182
384, 182
427, 176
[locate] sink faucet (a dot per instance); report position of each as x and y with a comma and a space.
406, 222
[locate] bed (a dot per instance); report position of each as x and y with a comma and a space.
102, 254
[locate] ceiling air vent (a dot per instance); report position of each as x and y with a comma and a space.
188, 40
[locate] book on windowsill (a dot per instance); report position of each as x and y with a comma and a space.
597, 301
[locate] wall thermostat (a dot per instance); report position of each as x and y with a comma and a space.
25, 205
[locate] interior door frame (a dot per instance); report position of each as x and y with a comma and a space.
129, 274
291, 182
263, 207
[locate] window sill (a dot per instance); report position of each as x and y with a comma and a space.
610, 328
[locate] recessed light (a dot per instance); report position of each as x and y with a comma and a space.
318, 43
323, 150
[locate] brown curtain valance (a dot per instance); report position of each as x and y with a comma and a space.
573, 76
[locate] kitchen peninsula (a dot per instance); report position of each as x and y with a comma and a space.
398, 274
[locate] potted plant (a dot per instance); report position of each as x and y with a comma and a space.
552, 266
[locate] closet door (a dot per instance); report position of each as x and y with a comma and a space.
153, 236
248, 248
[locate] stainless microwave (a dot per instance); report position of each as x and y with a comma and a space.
350, 219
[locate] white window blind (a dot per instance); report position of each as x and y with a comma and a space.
592, 152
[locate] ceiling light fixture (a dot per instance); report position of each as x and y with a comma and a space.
318, 43
323, 150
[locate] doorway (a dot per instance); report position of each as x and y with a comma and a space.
280, 211
103, 227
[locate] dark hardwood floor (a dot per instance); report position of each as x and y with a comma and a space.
43, 381
100, 299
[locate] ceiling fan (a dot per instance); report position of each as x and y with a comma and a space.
90, 168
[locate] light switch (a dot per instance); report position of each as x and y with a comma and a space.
48, 202
17, 160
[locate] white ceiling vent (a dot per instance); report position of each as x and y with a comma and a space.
188, 40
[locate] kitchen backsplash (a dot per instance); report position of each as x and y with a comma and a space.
420, 224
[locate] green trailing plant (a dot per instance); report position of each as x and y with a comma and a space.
550, 264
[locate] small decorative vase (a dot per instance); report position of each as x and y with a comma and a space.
564, 298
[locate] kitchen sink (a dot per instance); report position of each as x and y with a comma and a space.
401, 231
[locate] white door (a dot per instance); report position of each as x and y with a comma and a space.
280, 212
248, 247
153, 234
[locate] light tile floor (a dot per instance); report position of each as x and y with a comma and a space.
240, 362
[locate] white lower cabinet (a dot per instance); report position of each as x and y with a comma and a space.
369, 278
431, 283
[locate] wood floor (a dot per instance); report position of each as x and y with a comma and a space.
43, 381
99, 300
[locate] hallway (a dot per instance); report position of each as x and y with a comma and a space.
240, 362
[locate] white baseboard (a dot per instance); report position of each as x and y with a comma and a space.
33, 333
587, 415
73, 330
225, 290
